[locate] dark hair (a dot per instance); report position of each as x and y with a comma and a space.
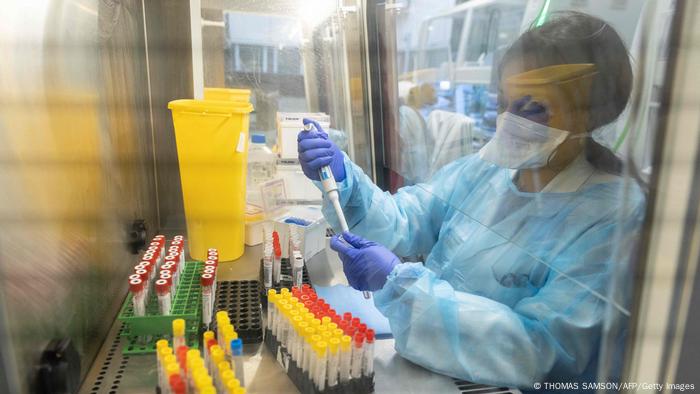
574, 37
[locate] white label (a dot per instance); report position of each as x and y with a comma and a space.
241, 143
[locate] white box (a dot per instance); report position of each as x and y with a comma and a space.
313, 235
289, 124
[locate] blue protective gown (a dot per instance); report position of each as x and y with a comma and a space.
513, 289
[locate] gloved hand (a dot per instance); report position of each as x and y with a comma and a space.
316, 151
525, 107
366, 264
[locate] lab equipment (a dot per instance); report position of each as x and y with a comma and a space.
366, 264
178, 333
333, 361
262, 167
317, 152
136, 287
164, 298
212, 143
267, 266
207, 282
368, 354
306, 339
237, 360
277, 264
297, 269
357, 355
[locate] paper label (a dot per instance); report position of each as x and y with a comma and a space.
241, 143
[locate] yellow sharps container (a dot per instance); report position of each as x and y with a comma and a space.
226, 94
212, 150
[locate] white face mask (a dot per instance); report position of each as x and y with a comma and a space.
521, 143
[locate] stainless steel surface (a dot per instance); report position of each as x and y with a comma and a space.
75, 170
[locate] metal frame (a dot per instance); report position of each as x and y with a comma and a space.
674, 237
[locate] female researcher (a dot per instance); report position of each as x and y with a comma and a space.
519, 238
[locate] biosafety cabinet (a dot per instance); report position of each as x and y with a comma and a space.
90, 171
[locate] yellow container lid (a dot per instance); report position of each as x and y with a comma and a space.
560, 73
209, 107
161, 344
338, 332
325, 320
227, 94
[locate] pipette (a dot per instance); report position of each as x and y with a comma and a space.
331, 189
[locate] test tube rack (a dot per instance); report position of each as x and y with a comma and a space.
241, 300
363, 385
142, 331
285, 279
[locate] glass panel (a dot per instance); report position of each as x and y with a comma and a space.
523, 147
291, 63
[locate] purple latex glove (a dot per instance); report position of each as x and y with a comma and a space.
316, 151
366, 264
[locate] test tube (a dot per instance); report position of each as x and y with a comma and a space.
163, 292
172, 369
207, 281
237, 356
368, 354
208, 335
267, 267
160, 344
221, 369
333, 361
357, 356
271, 297
277, 264
177, 385
162, 354
345, 358
297, 269
321, 349
217, 356
179, 333
138, 299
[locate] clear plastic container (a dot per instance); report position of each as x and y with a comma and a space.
262, 167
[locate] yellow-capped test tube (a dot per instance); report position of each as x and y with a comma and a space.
325, 320
232, 386
345, 358
178, 333
321, 361
333, 361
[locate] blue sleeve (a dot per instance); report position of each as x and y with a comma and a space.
463, 335
407, 222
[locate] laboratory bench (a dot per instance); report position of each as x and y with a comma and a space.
112, 372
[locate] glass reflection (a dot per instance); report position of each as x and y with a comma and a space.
508, 253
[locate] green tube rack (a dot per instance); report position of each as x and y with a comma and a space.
142, 332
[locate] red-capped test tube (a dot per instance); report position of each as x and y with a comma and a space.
357, 355
368, 354
163, 291
136, 286
207, 281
